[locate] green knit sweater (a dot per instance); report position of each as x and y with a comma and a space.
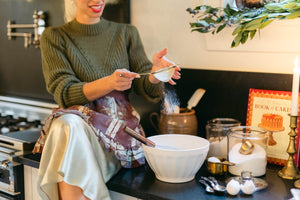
74, 54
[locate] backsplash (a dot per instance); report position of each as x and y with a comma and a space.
226, 94
20, 68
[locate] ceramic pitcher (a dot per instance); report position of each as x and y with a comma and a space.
184, 122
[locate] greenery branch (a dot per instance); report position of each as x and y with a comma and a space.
247, 21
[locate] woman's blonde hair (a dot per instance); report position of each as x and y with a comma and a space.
70, 10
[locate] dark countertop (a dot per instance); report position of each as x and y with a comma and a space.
141, 183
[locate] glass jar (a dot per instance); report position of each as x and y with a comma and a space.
216, 133
247, 148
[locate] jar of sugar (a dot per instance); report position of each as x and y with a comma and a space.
247, 148
216, 133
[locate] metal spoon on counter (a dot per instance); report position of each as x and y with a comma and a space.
217, 185
214, 183
208, 189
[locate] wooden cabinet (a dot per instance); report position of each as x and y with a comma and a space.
30, 181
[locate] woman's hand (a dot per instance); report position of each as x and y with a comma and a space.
159, 62
122, 79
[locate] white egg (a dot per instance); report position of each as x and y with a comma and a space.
233, 187
248, 187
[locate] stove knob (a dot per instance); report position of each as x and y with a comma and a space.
4, 164
4, 130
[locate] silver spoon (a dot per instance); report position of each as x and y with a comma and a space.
208, 189
215, 186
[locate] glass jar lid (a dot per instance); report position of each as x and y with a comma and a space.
224, 122
247, 132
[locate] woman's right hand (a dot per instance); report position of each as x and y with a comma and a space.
122, 79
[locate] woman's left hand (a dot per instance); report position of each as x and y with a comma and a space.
159, 62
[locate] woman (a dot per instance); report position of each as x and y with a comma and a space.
89, 64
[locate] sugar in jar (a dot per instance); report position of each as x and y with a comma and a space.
216, 133
247, 148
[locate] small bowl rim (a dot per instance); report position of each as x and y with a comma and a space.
175, 150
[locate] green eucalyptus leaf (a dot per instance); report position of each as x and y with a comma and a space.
220, 28
193, 25
293, 15
252, 34
290, 5
211, 10
274, 6
266, 23
201, 30
261, 16
237, 39
237, 30
209, 20
277, 15
233, 44
252, 25
245, 36
201, 23
220, 19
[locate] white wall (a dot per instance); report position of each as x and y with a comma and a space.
165, 23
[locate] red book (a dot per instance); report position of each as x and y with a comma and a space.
270, 109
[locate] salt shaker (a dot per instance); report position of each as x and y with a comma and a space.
216, 133
255, 161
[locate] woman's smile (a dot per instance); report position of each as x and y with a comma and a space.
96, 8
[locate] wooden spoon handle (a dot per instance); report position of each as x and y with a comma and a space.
139, 137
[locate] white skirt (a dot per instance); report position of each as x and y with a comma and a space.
73, 154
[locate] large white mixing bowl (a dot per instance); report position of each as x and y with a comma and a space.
176, 157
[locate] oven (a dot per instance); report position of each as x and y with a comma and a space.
21, 121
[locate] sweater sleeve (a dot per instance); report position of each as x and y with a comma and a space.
140, 63
61, 80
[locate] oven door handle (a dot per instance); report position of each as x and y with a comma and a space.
7, 151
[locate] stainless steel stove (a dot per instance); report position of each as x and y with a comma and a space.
20, 123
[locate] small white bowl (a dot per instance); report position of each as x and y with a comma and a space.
177, 157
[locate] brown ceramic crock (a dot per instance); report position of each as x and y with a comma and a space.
184, 122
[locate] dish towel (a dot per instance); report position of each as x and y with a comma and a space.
107, 116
